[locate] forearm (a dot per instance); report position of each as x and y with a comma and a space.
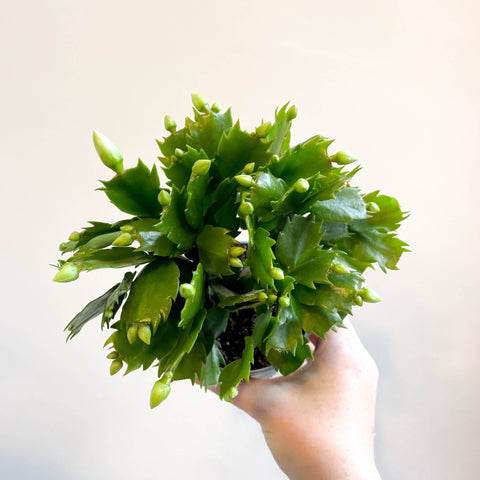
314, 458
319, 423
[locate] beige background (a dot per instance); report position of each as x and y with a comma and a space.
394, 81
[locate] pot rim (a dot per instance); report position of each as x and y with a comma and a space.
264, 372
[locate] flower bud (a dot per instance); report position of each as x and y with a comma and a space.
179, 153
160, 392
67, 273
340, 269
372, 207
170, 123
262, 297
343, 158
301, 185
187, 290
272, 298
274, 158
201, 167
244, 180
235, 262
145, 334
245, 208
216, 107
276, 273
200, 102
233, 392
164, 198
284, 301
116, 366
292, 112
74, 236
236, 251
358, 300
123, 240
108, 152
108, 313
126, 228
263, 129
369, 295
132, 333
112, 355
63, 246
249, 168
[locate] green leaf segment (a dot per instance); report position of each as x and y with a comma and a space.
245, 223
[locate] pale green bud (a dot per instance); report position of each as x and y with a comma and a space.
233, 392
292, 112
284, 301
200, 102
272, 298
116, 366
160, 392
301, 185
216, 107
179, 153
245, 208
67, 273
126, 228
369, 295
145, 334
74, 236
108, 313
249, 168
112, 355
201, 167
274, 158
262, 297
244, 180
108, 152
235, 262
276, 273
358, 300
63, 246
164, 198
132, 333
343, 158
170, 123
340, 269
372, 207
187, 290
262, 130
123, 240
236, 251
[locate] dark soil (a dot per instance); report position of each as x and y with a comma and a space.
232, 340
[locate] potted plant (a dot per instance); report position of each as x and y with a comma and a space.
250, 246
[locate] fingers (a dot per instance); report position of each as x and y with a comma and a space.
341, 336
250, 395
342, 345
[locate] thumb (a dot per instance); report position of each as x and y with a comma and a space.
253, 396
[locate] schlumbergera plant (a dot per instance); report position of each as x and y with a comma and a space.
251, 242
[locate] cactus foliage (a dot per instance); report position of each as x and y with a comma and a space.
309, 235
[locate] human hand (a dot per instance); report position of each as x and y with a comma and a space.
319, 421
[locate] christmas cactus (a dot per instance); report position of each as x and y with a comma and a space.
246, 229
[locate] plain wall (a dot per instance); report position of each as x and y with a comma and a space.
396, 82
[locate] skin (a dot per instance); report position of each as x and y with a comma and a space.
319, 421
